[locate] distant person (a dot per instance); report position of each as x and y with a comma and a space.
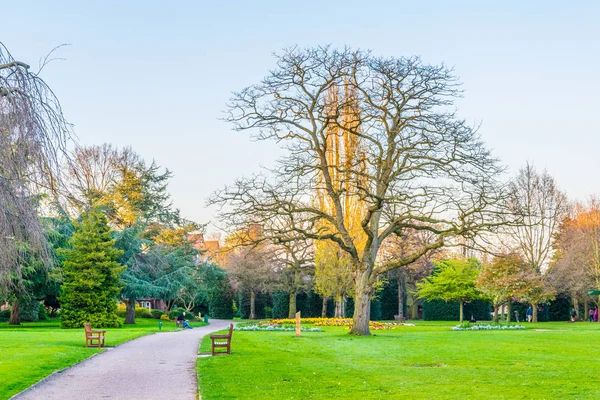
596, 315
516, 316
180, 319
573, 314
186, 324
529, 314
591, 315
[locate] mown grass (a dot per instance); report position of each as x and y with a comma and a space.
33, 351
427, 361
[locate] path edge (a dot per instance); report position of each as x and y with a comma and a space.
60, 371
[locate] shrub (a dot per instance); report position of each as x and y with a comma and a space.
121, 313
164, 317
174, 313
42, 314
281, 304
29, 310
156, 314
439, 310
142, 312
268, 312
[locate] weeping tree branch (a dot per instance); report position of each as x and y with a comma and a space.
33, 137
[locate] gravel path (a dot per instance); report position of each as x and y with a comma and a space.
160, 366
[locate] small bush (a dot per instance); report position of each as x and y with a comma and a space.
121, 313
29, 310
142, 312
164, 317
175, 312
156, 314
268, 312
42, 314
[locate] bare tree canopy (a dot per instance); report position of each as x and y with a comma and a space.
33, 136
416, 167
537, 200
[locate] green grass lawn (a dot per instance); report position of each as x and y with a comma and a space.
427, 361
32, 351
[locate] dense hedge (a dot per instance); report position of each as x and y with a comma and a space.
30, 310
388, 298
219, 292
309, 304
261, 301
560, 309
438, 310
281, 304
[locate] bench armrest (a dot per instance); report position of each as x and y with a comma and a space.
220, 336
97, 331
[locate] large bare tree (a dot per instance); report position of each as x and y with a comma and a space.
541, 206
33, 136
420, 167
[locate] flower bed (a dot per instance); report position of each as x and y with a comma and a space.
486, 327
274, 328
375, 325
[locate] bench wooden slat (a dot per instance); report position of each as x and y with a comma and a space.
217, 342
92, 336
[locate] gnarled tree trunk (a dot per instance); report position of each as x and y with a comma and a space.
362, 305
130, 311
15, 313
496, 313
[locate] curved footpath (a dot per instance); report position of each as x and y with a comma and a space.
160, 366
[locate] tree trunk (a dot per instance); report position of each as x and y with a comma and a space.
252, 304
586, 308
130, 311
401, 290
339, 307
344, 307
415, 311
509, 310
362, 306
292, 311
576, 307
15, 313
324, 308
496, 313
534, 315
461, 311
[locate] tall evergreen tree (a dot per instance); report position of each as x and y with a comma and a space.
91, 275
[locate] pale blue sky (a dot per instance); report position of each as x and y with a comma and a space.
156, 75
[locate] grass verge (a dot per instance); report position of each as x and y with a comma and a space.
547, 360
32, 351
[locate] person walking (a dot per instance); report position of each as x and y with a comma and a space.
591, 316
529, 314
573, 314
596, 315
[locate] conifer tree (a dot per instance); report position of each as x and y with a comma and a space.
91, 275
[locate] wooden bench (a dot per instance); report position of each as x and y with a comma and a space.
92, 336
222, 341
